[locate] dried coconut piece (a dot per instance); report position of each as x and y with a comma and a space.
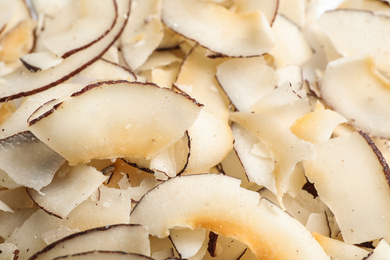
381, 251
291, 46
344, 167
143, 32
78, 183
348, 32
211, 201
72, 39
149, 121
246, 80
4, 207
269, 8
28, 161
258, 166
40, 61
26, 83
218, 29
121, 237
380, 6
355, 89
294, 10
187, 242
103, 70
286, 149
8, 251
340, 250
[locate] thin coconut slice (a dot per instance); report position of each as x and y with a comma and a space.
28, 161
291, 46
152, 121
211, 201
103, 70
187, 242
284, 103
339, 250
64, 43
381, 251
27, 83
218, 29
143, 32
355, 89
318, 222
79, 183
246, 80
125, 238
317, 126
287, 150
102, 255
269, 8
344, 167
9, 222
8, 251
4, 207
294, 10
40, 61
254, 157
348, 31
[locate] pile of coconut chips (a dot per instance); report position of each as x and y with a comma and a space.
194, 129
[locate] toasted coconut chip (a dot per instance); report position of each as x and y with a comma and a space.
28, 235
40, 61
152, 121
102, 255
211, 138
246, 80
212, 202
218, 29
111, 206
28, 161
72, 39
318, 222
27, 83
103, 70
79, 183
381, 251
187, 242
255, 157
174, 159
269, 8
17, 42
339, 250
125, 238
291, 46
287, 150
344, 167
317, 126
17, 121
143, 32
294, 10
354, 88
347, 29
284, 103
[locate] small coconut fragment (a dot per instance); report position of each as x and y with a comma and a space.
103, 70
143, 32
104, 254
294, 10
381, 251
210, 201
79, 183
348, 32
125, 238
286, 149
4, 207
156, 125
339, 250
246, 80
187, 242
344, 167
269, 8
291, 46
28, 161
230, 34
354, 88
